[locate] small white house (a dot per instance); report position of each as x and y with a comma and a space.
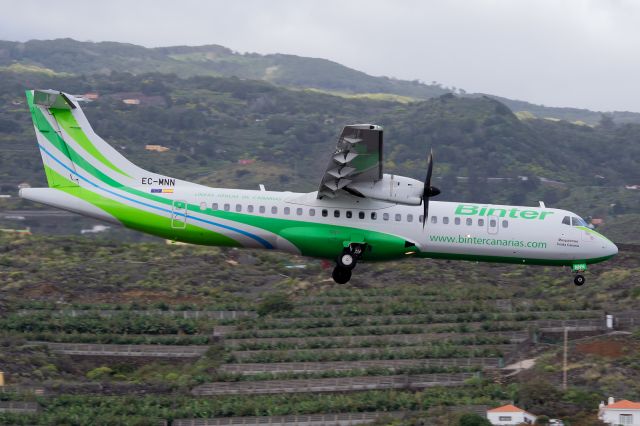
509, 415
623, 412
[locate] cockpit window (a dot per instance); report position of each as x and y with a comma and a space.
577, 221
574, 221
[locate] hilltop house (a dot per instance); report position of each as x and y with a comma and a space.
623, 412
157, 148
509, 415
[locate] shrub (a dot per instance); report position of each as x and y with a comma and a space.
471, 419
275, 302
99, 373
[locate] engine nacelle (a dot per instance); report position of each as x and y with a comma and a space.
391, 188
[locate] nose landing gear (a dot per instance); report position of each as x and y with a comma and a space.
346, 262
578, 269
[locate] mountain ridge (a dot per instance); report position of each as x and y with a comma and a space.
72, 56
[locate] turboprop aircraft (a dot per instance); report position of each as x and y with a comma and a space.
357, 214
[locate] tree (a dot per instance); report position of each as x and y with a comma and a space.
606, 122
471, 419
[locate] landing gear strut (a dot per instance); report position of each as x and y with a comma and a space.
346, 262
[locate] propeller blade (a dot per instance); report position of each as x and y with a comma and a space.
427, 185
428, 190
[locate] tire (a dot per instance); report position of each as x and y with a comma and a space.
341, 275
347, 260
579, 280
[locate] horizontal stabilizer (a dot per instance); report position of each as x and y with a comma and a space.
52, 99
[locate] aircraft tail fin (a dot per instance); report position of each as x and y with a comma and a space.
68, 143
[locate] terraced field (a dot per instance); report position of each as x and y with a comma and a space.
333, 351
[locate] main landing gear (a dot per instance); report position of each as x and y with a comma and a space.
346, 262
579, 280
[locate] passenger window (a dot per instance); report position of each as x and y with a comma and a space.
349, 214
469, 221
505, 223
274, 210
336, 213
203, 206
227, 207
299, 211
324, 212
385, 216
409, 218
457, 221
312, 212
361, 215
262, 209
445, 220
374, 215
214, 206
493, 223
566, 220
238, 207
398, 217
250, 208
434, 219
480, 222
287, 210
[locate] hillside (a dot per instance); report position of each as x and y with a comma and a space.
70, 56
75, 57
104, 332
241, 133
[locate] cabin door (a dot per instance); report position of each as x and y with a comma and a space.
179, 214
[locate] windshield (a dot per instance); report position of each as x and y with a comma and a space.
578, 221
574, 221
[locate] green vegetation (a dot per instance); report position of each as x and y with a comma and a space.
274, 303
45, 297
209, 123
132, 290
107, 410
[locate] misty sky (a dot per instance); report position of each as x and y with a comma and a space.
582, 53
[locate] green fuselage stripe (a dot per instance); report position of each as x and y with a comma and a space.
144, 221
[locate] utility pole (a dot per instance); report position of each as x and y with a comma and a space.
564, 359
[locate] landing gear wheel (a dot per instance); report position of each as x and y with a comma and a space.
579, 280
341, 275
347, 260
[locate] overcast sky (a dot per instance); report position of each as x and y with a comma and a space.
582, 53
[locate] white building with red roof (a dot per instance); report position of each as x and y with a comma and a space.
509, 415
623, 412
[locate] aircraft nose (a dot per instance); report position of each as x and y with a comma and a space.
611, 249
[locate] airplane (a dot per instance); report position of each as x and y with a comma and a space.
358, 214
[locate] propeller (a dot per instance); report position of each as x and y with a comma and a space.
428, 191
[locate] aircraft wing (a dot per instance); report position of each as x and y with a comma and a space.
356, 159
